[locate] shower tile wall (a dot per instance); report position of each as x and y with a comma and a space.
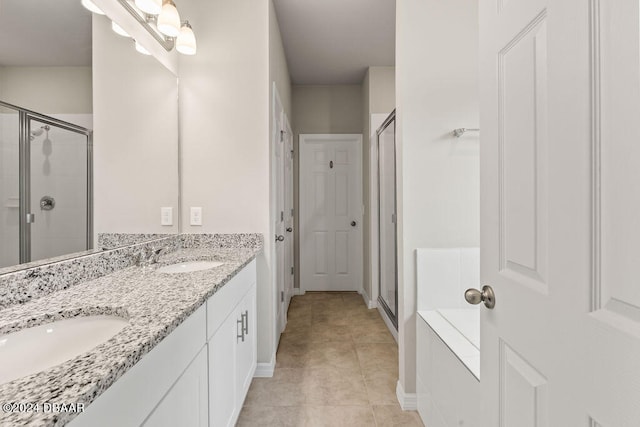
58, 169
9, 189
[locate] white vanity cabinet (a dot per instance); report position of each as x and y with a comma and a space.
197, 376
231, 331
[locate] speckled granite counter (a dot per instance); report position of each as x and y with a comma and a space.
154, 303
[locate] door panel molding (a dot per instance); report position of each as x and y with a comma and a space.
522, 142
524, 391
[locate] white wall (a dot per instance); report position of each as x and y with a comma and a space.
438, 193
48, 90
322, 109
378, 96
224, 114
135, 136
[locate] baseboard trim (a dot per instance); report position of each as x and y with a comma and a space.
298, 291
368, 302
265, 370
407, 401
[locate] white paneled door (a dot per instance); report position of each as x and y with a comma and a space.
331, 212
560, 167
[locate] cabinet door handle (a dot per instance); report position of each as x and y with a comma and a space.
241, 323
245, 320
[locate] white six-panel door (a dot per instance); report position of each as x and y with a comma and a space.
560, 167
330, 212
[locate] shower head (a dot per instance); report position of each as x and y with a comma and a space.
39, 131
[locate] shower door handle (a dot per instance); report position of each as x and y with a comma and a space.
31, 218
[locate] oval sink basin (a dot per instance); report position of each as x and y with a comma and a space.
188, 267
35, 349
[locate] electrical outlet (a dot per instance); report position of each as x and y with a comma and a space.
166, 216
196, 216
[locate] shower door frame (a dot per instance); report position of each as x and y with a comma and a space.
381, 301
24, 172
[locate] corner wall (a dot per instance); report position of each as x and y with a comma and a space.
438, 186
224, 121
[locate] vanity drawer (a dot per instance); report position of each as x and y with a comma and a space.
223, 302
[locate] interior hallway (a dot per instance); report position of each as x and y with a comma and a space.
337, 365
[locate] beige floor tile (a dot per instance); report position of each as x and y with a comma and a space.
332, 317
381, 387
283, 389
378, 357
272, 416
370, 331
313, 354
394, 416
340, 416
329, 386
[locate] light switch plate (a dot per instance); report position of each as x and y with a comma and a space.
196, 216
166, 216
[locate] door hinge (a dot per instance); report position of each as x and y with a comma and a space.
291, 270
281, 135
281, 296
291, 211
281, 216
393, 218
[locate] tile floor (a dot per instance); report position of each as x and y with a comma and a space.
337, 365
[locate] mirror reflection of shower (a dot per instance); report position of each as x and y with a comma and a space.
47, 148
39, 132
45, 191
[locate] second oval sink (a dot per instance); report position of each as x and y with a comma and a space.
35, 349
188, 267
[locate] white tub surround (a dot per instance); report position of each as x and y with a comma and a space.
155, 304
447, 337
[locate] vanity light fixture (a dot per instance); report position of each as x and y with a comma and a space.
141, 49
151, 7
89, 5
186, 41
118, 29
169, 19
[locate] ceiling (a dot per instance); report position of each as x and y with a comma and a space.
44, 33
329, 42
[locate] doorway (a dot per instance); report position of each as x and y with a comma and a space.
330, 212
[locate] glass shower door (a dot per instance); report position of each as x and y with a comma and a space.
59, 185
388, 282
9, 186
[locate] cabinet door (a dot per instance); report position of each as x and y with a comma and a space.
223, 408
246, 349
186, 402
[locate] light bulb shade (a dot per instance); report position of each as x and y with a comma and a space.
88, 4
118, 29
186, 41
152, 7
142, 49
169, 19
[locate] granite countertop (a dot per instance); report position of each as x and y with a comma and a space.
154, 303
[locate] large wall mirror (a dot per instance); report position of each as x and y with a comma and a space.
73, 72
